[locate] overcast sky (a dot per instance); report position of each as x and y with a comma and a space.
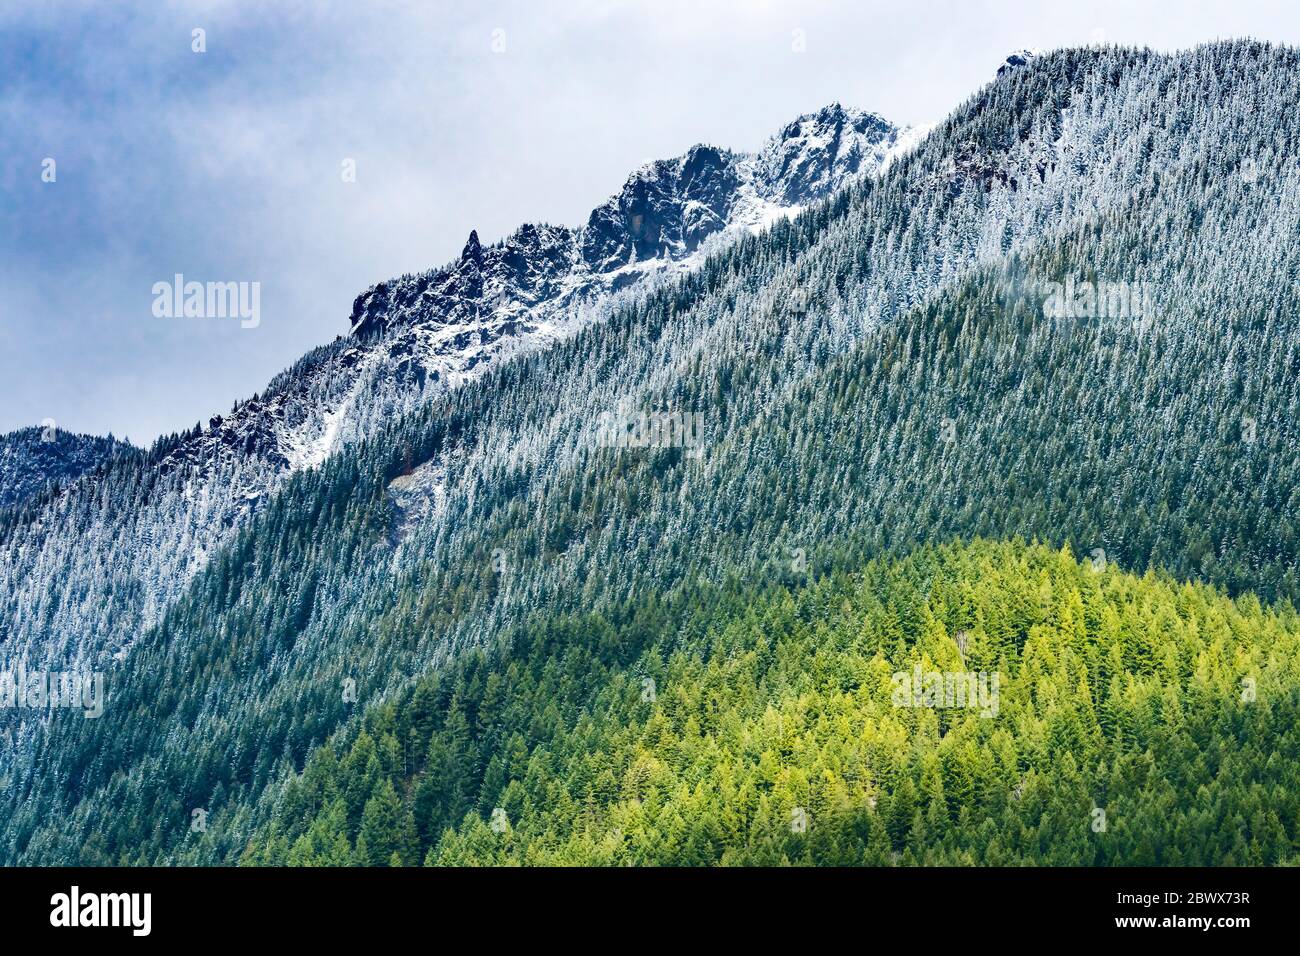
227, 165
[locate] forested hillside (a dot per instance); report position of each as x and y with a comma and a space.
37, 462
1138, 721
877, 375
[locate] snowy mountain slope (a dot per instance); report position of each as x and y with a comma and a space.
131, 543
32, 458
1074, 156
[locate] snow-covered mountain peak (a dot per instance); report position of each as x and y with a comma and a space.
662, 216
542, 282
433, 329
1016, 60
818, 152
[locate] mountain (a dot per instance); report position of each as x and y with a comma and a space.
1067, 315
410, 339
31, 459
